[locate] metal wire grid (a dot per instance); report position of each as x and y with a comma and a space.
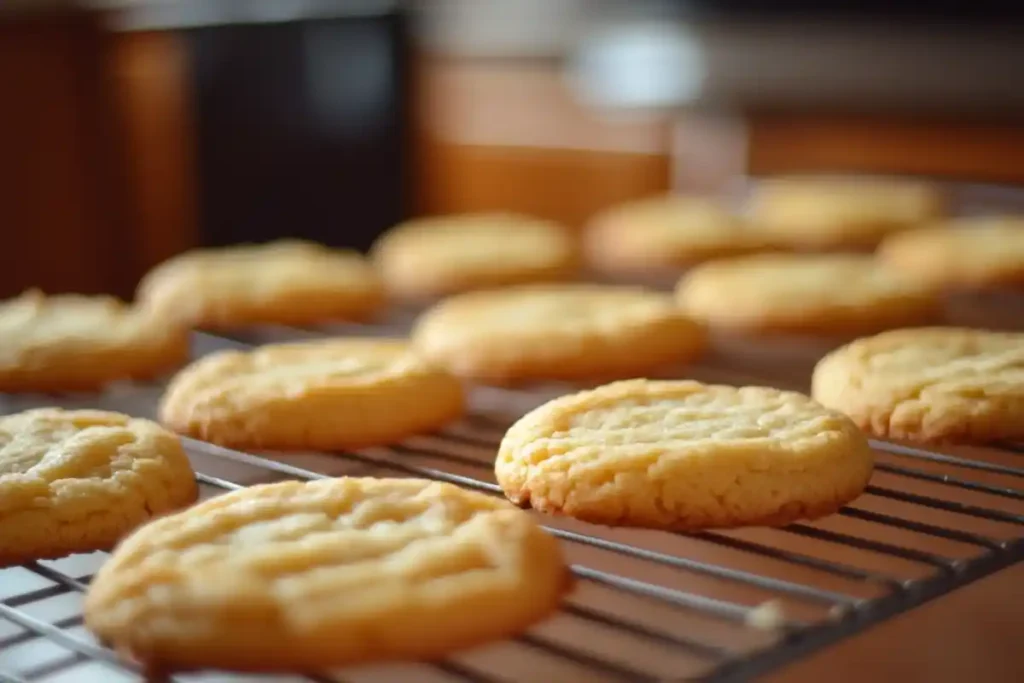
716, 606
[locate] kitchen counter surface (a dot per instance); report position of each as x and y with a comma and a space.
972, 634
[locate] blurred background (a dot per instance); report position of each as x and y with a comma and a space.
130, 131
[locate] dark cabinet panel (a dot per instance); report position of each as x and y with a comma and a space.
301, 129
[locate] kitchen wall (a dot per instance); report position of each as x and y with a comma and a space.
99, 176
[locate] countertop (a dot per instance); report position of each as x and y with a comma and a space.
972, 634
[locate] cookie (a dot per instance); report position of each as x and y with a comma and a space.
684, 455
666, 233
817, 294
434, 257
304, 576
70, 342
77, 481
288, 282
962, 254
929, 384
557, 332
828, 213
322, 395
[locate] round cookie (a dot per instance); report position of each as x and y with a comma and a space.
433, 257
304, 576
929, 384
964, 253
287, 282
77, 481
70, 342
666, 233
684, 455
557, 332
822, 294
322, 395
832, 213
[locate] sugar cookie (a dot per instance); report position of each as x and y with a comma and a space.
824, 294
331, 395
827, 213
965, 253
300, 576
553, 332
69, 342
684, 455
433, 257
666, 233
288, 282
929, 384
76, 481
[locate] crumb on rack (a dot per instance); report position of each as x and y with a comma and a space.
767, 616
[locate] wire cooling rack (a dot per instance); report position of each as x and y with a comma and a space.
648, 606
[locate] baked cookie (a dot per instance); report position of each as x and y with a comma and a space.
303, 576
684, 455
322, 395
823, 294
76, 481
69, 342
288, 282
433, 257
929, 384
828, 213
964, 253
557, 332
666, 233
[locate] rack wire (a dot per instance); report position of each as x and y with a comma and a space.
648, 606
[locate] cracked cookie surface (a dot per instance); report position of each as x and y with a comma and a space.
303, 576
929, 384
287, 282
331, 394
79, 480
551, 332
70, 342
684, 455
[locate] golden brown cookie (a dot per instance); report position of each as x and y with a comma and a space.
820, 294
288, 282
929, 384
300, 576
76, 481
557, 332
828, 213
666, 233
684, 455
327, 395
433, 257
70, 343
964, 253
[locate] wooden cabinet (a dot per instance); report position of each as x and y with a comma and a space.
510, 136
566, 185
979, 151
94, 170
62, 186
150, 72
